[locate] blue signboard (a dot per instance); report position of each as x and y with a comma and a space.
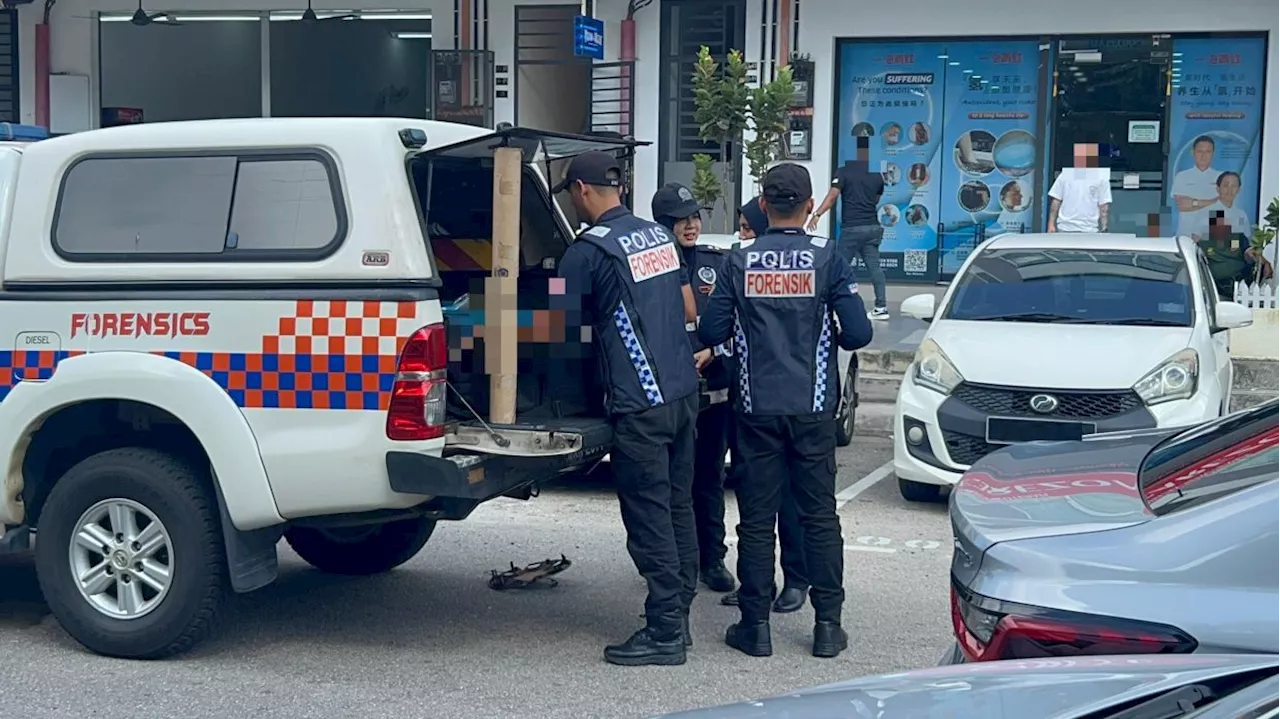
588, 37
892, 94
1215, 132
988, 178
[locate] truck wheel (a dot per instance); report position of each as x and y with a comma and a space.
918, 491
367, 549
129, 554
847, 419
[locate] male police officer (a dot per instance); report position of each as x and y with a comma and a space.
675, 209
629, 274
753, 222
776, 299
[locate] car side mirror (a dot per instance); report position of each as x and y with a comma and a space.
921, 307
1231, 316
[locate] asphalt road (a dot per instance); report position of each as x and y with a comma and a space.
432, 640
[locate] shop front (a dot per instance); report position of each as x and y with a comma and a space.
969, 133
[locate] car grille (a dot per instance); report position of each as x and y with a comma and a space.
966, 449
1016, 402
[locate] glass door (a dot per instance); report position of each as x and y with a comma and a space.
1114, 91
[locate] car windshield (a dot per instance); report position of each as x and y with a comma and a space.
1105, 287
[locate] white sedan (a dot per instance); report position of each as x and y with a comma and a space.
1056, 336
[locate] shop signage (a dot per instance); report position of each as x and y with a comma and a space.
588, 37
953, 127
988, 176
1215, 127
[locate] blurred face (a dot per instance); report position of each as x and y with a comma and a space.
744, 229
1086, 154
688, 230
1228, 188
1203, 153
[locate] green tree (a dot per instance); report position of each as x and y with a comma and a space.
770, 119
1263, 235
722, 103
706, 185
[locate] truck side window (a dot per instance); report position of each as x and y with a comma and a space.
204, 208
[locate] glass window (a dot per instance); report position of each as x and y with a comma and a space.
283, 205
214, 206
1075, 286
145, 205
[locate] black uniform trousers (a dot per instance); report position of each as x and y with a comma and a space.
652, 458
708, 482
799, 452
790, 533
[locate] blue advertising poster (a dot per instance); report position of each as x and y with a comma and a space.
892, 93
988, 176
1215, 132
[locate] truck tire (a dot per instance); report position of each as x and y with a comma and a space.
847, 418
362, 550
129, 554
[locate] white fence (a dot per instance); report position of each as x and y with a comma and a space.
1259, 297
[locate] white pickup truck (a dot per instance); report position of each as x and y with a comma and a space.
228, 332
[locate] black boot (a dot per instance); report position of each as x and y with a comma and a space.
750, 638
649, 646
790, 600
717, 578
730, 599
829, 639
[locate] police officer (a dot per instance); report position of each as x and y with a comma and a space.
779, 298
673, 207
629, 275
752, 222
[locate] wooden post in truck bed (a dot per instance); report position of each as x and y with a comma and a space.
500, 317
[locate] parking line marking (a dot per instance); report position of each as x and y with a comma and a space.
848, 494
863, 548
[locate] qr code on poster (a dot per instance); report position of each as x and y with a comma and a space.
915, 261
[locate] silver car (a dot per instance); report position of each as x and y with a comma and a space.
1124, 687
1152, 542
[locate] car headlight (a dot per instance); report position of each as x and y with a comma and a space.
933, 369
1175, 378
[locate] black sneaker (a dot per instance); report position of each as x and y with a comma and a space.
752, 639
829, 639
717, 578
644, 649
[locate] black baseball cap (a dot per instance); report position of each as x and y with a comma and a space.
591, 168
785, 185
675, 201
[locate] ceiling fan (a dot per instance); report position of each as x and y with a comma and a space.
309, 16
142, 19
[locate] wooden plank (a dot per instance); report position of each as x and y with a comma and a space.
500, 318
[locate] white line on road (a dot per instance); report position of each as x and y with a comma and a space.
848, 494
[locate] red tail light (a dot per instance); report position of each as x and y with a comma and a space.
417, 408
987, 630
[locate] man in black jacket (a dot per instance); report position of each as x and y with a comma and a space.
780, 298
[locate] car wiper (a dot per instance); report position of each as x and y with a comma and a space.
1137, 321
1172, 704
1023, 317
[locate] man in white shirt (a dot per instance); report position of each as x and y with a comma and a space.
1195, 188
1228, 188
1080, 198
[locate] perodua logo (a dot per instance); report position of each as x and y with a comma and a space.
1044, 403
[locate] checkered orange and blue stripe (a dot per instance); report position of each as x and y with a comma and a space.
327, 355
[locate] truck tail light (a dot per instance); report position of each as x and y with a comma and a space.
417, 409
988, 630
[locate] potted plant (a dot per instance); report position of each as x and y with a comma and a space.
1264, 233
